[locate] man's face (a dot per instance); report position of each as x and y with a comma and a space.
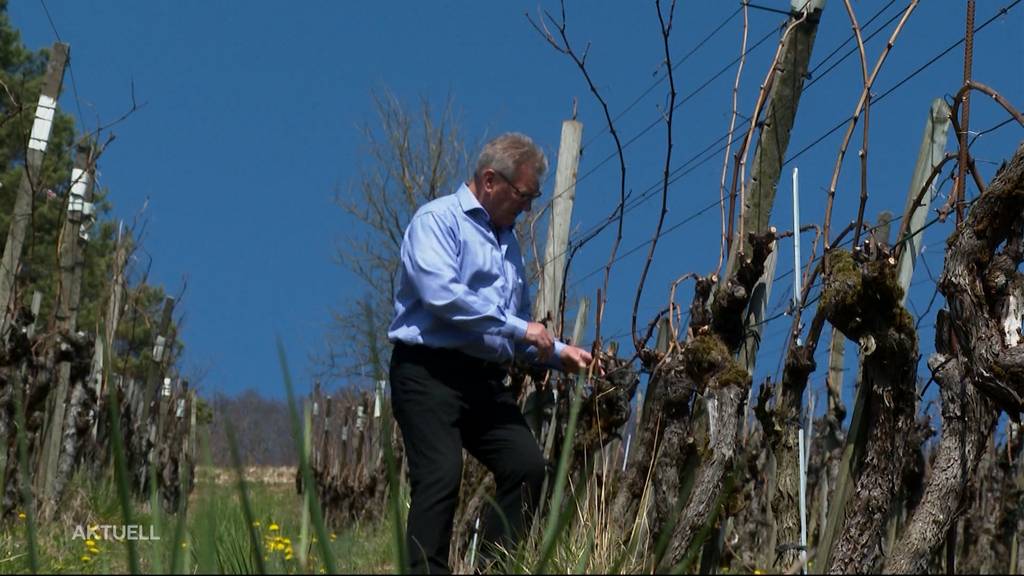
511, 194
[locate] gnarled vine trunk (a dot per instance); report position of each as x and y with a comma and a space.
690, 460
863, 302
978, 364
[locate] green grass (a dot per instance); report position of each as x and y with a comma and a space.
305, 470
221, 531
276, 509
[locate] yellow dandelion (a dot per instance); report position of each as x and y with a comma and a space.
94, 550
279, 546
86, 558
256, 523
288, 556
21, 516
286, 540
90, 542
273, 527
333, 536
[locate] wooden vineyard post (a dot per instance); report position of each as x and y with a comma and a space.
144, 427
38, 141
562, 200
61, 415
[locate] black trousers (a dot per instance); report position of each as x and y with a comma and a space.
445, 401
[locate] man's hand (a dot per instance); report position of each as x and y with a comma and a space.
537, 335
575, 359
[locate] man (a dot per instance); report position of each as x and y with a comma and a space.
460, 301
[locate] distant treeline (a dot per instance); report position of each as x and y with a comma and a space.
262, 427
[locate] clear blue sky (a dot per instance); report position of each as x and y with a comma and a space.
251, 122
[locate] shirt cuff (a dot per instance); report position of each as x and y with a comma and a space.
516, 328
556, 359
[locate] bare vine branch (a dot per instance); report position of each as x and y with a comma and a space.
861, 103
673, 307
963, 155
666, 31
905, 223
739, 170
563, 46
724, 242
975, 85
867, 109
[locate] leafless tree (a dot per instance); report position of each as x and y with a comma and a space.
411, 157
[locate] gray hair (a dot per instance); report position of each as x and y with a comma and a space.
510, 151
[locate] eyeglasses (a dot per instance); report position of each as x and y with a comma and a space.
520, 193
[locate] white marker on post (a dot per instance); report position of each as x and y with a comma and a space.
796, 239
43, 123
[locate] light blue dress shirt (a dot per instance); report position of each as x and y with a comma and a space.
462, 284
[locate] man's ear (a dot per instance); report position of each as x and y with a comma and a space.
487, 177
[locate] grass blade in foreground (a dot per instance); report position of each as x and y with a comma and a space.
394, 500
557, 516
307, 473
121, 474
157, 522
399, 555
205, 546
26, 491
307, 440
243, 496
178, 545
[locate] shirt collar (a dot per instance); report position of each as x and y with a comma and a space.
467, 200
469, 203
